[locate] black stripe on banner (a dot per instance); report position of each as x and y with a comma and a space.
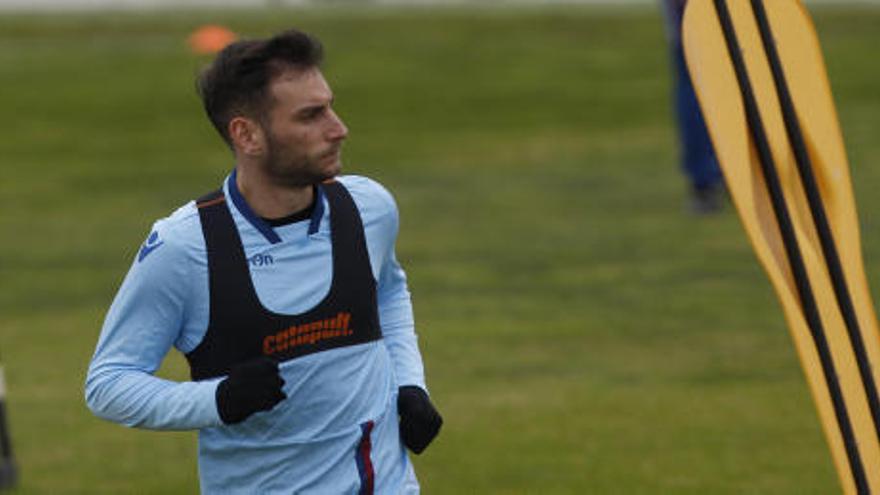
820, 218
8, 470
5, 443
7, 462
795, 260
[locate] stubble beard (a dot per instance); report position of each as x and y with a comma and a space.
296, 171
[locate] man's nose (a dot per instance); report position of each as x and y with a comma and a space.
337, 131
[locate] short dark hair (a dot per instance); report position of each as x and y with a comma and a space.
237, 80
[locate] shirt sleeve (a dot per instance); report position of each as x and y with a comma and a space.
395, 308
141, 326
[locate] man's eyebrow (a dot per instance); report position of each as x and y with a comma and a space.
315, 106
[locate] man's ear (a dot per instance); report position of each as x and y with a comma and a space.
247, 136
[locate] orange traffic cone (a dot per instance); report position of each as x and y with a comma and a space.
210, 39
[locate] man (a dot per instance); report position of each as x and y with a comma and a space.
697, 156
283, 291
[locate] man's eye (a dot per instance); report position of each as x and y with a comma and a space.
312, 114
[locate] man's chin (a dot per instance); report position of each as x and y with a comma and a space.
308, 174
334, 169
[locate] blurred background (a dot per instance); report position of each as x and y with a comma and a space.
582, 331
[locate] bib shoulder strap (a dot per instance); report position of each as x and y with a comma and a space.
228, 275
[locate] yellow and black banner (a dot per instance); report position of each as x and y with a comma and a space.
758, 71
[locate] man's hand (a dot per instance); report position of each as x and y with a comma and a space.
419, 420
251, 386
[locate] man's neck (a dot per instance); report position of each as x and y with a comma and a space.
271, 200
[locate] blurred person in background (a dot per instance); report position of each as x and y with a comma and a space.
283, 291
706, 184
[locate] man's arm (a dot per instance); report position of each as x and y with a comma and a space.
143, 323
379, 215
398, 326
419, 420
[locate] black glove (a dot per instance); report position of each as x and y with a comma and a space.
419, 421
251, 386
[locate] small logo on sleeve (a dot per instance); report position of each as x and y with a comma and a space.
151, 245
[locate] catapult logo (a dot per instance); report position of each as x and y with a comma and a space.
153, 243
308, 334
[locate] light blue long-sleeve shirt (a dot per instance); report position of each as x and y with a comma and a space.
307, 442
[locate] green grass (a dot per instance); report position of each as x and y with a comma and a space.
582, 334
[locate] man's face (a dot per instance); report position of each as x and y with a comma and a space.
303, 134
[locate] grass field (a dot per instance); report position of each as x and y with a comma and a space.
582, 333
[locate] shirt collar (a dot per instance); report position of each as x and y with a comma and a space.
258, 223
